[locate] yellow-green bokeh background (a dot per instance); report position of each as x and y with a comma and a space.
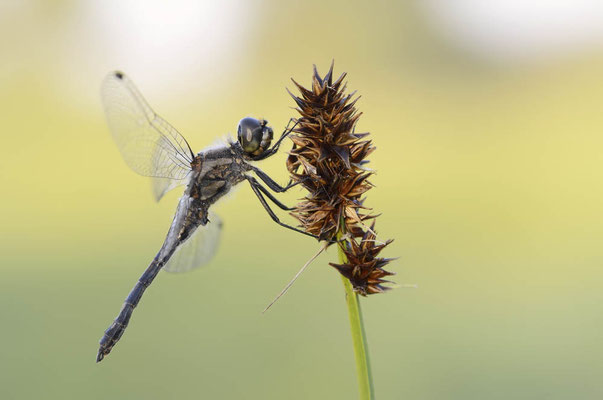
489, 180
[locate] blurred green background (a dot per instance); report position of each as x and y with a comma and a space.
487, 118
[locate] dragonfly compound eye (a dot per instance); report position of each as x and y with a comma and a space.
254, 135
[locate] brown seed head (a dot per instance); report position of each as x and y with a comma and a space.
364, 269
328, 158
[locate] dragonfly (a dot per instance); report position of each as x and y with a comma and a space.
152, 147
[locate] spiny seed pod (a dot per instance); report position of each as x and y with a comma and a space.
364, 269
328, 159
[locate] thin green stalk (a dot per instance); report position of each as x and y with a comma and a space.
363, 367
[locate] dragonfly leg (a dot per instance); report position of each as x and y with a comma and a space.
255, 186
276, 145
285, 133
271, 183
271, 196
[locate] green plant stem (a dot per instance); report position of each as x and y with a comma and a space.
363, 367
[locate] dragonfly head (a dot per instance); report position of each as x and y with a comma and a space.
254, 136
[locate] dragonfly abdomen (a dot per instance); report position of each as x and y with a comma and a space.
119, 325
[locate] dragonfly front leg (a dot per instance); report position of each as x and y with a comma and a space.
271, 151
285, 133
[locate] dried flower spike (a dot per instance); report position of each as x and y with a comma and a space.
364, 269
328, 158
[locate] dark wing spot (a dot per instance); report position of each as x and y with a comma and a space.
119, 75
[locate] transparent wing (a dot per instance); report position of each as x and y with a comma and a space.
161, 186
198, 249
148, 144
